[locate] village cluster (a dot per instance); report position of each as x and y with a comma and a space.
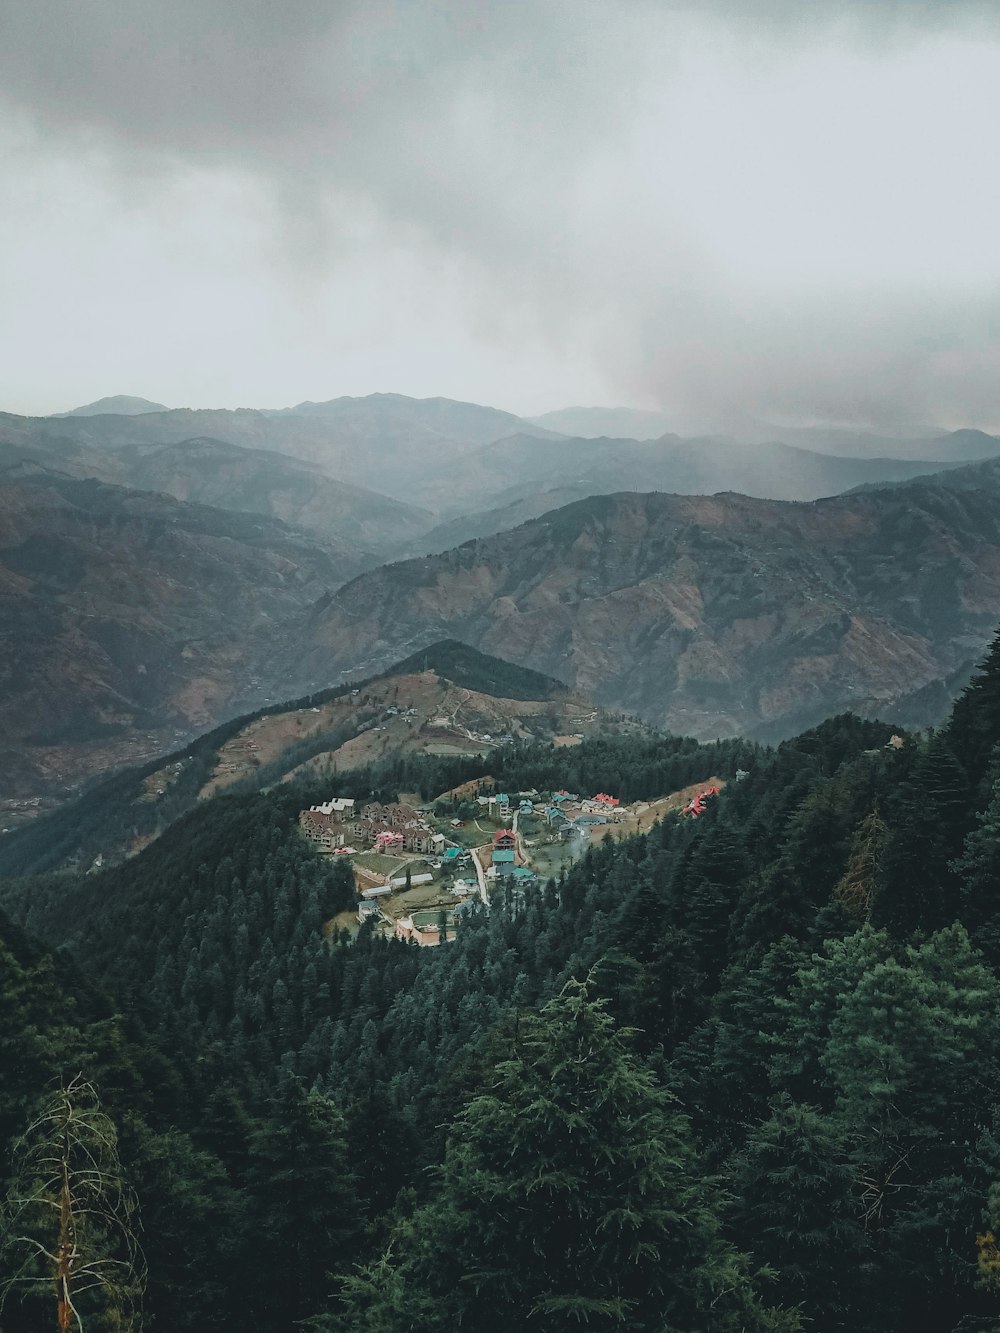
418, 872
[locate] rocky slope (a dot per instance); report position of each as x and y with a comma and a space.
126, 619
710, 615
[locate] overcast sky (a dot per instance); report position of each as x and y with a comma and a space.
763, 208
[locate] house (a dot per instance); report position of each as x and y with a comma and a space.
389, 843
438, 843
454, 856
503, 862
321, 829
525, 808
556, 819
696, 805
397, 817
503, 801
368, 910
464, 888
602, 798
341, 806
524, 876
504, 840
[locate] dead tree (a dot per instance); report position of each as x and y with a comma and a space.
70, 1217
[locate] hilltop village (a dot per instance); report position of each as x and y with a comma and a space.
419, 869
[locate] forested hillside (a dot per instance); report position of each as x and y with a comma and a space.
737, 1074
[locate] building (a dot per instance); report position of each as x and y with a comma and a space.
376, 891
399, 881
322, 829
504, 840
341, 806
389, 843
376, 818
368, 910
421, 840
503, 863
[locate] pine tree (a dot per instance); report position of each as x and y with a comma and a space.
569, 1196
795, 1199
974, 727
978, 870
301, 1195
857, 887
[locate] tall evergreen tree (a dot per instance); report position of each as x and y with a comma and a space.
974, 727
570, 1196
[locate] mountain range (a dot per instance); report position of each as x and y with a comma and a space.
708, 615
163, 569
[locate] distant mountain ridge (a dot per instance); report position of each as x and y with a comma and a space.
229, 476
709, 615
120, 404
535, 479
384, 442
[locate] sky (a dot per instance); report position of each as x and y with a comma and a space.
728, 210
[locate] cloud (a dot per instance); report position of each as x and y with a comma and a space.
774, 208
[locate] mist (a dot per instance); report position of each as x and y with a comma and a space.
732, 214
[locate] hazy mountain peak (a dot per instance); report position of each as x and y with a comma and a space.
118, 405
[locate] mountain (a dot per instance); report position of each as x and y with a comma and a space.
119, 404
592, 422
958, 446
229, 476
525, 479
446, 701
708, 615
385, 442
126, 619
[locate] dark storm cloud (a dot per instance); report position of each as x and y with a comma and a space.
505, 135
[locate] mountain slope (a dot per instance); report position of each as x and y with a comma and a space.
228, 476
961, 446
447, 701
710, 615
125, 618
572, 470
385, 441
